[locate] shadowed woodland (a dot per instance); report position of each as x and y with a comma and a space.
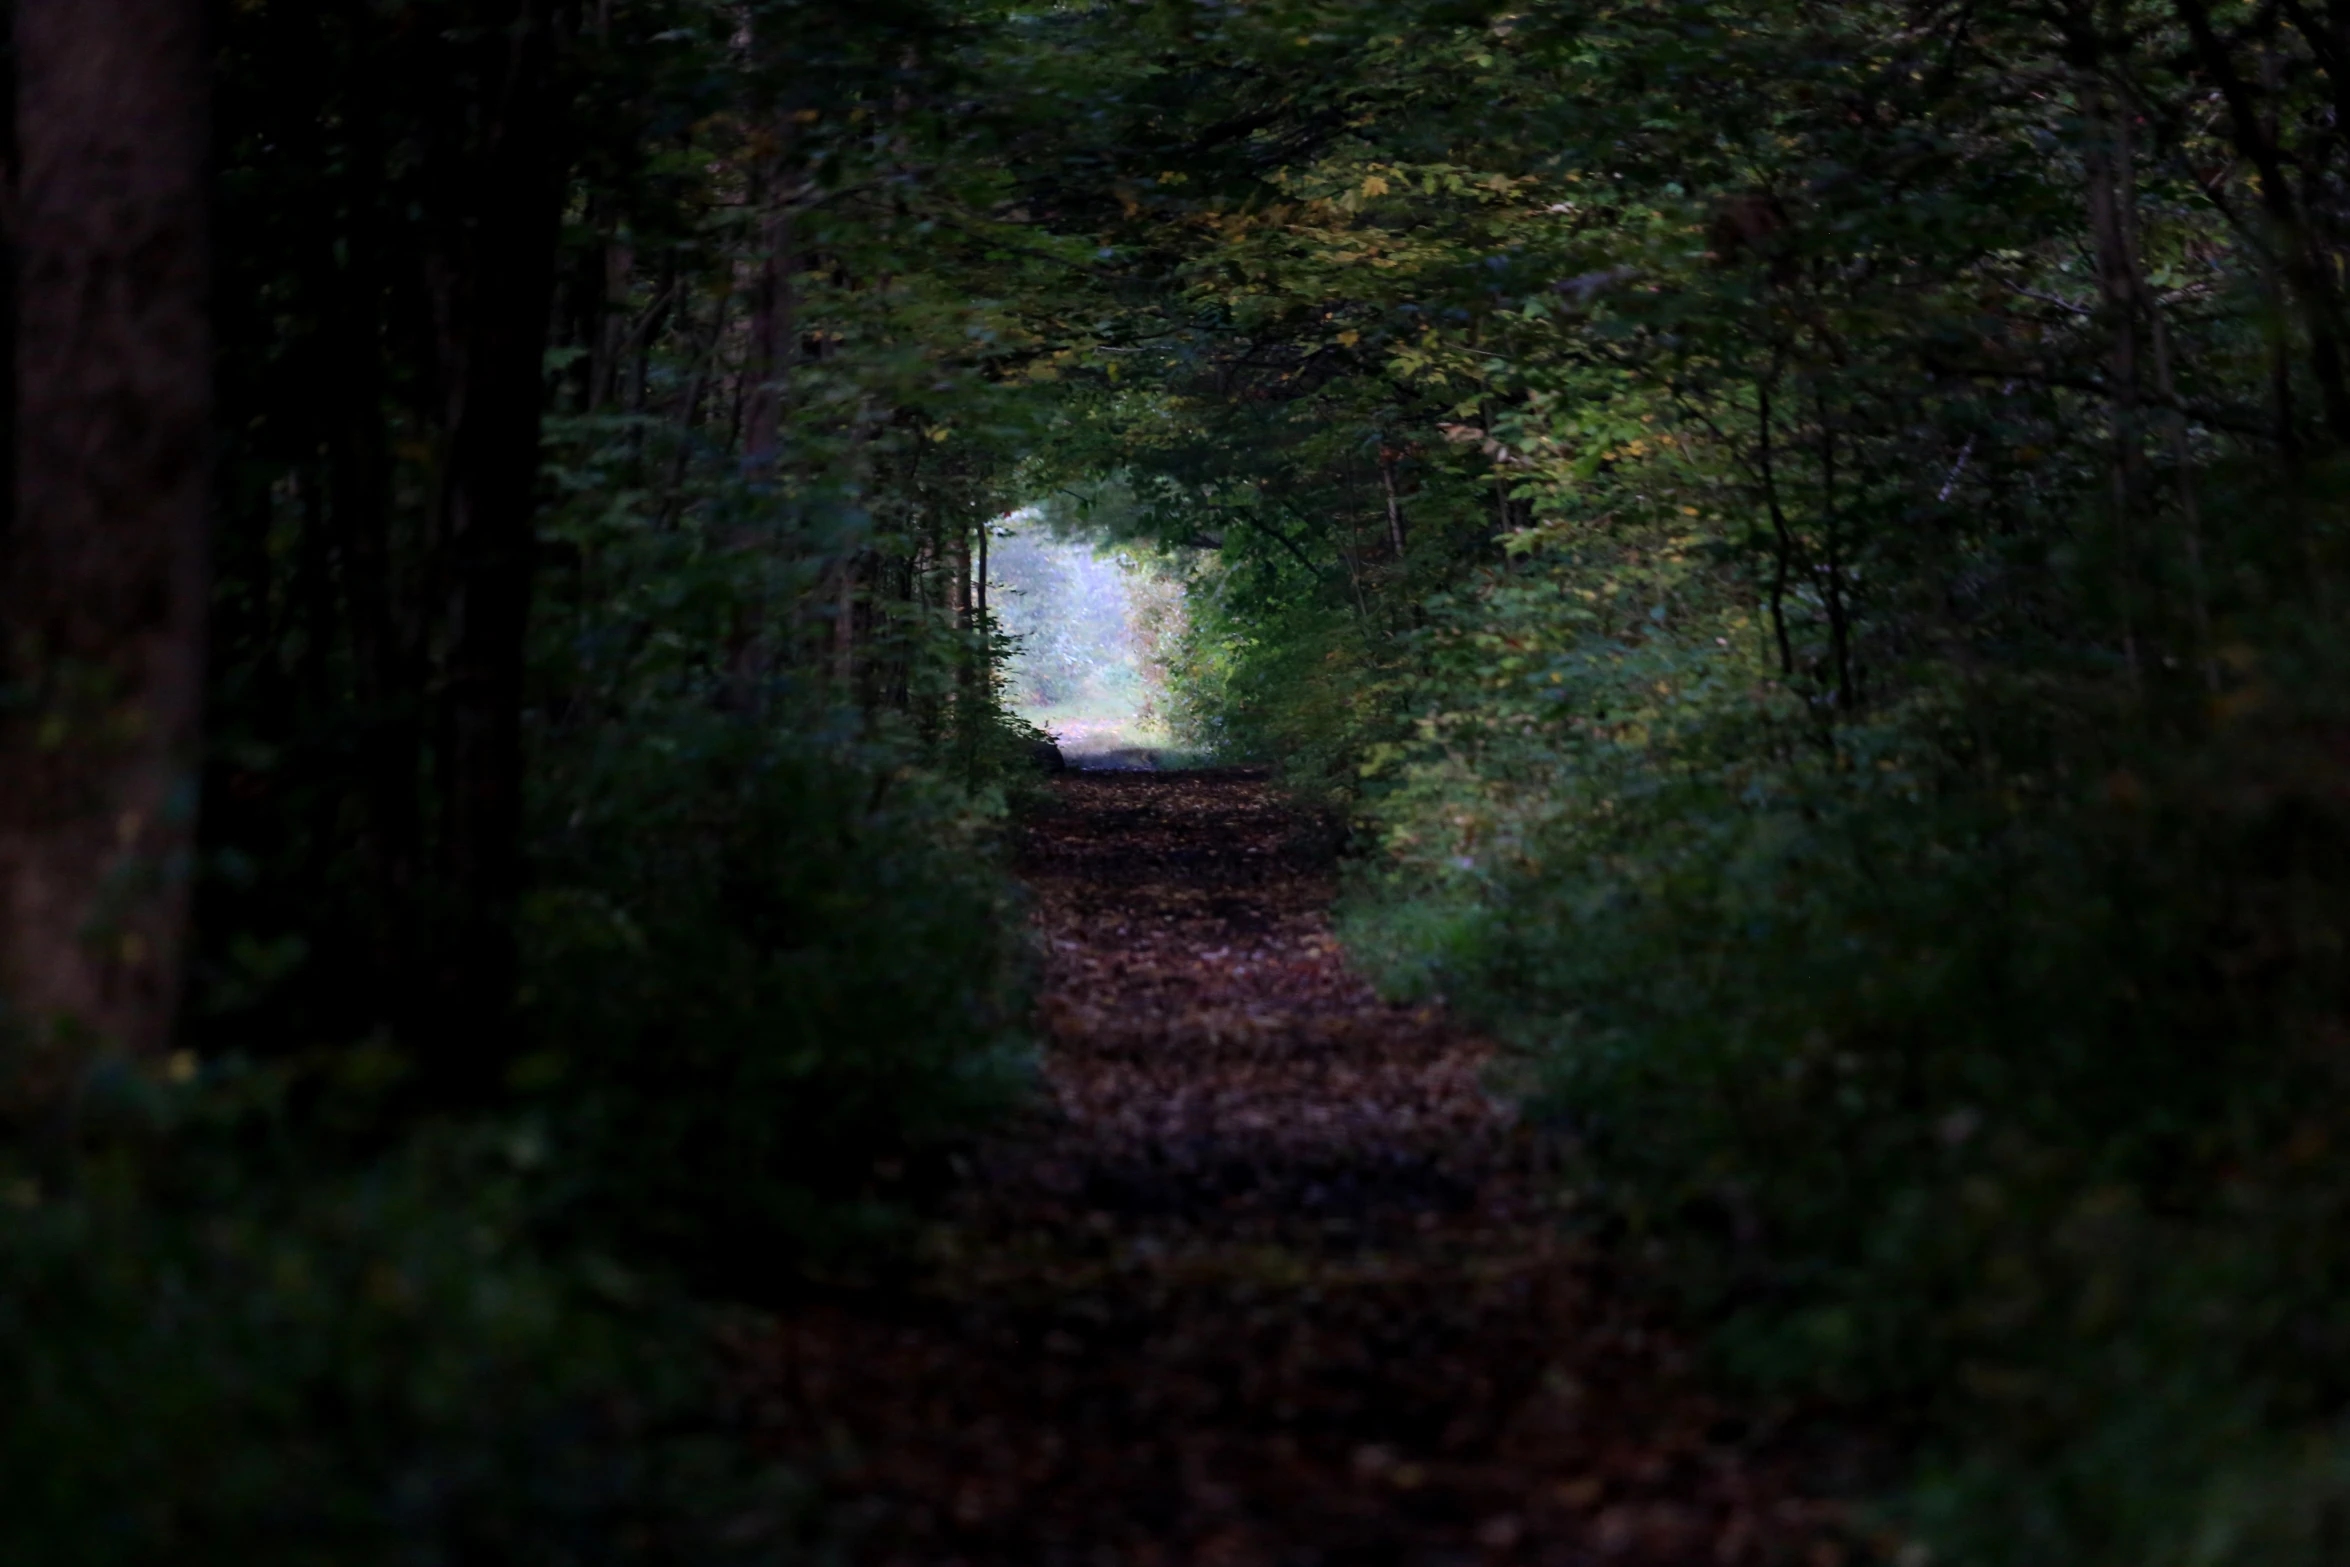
1726, 940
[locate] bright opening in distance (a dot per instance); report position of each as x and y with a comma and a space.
1094, 626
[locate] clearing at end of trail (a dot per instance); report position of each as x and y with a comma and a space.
1270, 1283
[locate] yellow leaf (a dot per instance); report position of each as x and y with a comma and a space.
1375, 186
1350, 338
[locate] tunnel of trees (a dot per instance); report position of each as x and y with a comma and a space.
1801, 548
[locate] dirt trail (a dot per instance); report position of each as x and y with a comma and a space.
1272, 1283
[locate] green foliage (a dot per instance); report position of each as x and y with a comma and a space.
1801, 534
1287, 681
779, 978
659, 939
224, 1341
1967, 1069
772, 965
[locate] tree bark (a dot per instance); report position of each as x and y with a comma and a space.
387, 662
774, 331
1782, 537
496, 395
2112, 195
1395, 533
844, 626
102, 563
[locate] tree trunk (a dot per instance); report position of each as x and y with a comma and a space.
1832, 581
1782, 537
1395, 534
102, 558
844, 626
378, 587
958, 552
2111, 196
497, 395
773, 331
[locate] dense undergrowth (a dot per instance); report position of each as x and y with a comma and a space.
228, 1343
546, 1018
1975, 1068
255, 1309
1807, 541
1804, 544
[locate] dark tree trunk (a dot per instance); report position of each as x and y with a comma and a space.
494, 393
102, 564
1395, 527
1782, 537
773, 333
378, 586
844, 626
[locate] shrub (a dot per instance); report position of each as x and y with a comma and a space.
219, 1344
1978, 1067
774, 978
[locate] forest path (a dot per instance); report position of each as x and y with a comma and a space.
1271, 1283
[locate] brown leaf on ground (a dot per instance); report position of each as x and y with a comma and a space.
1270, 1283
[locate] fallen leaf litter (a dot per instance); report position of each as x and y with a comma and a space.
1272, 1281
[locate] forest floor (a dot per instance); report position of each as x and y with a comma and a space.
1271, 1280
